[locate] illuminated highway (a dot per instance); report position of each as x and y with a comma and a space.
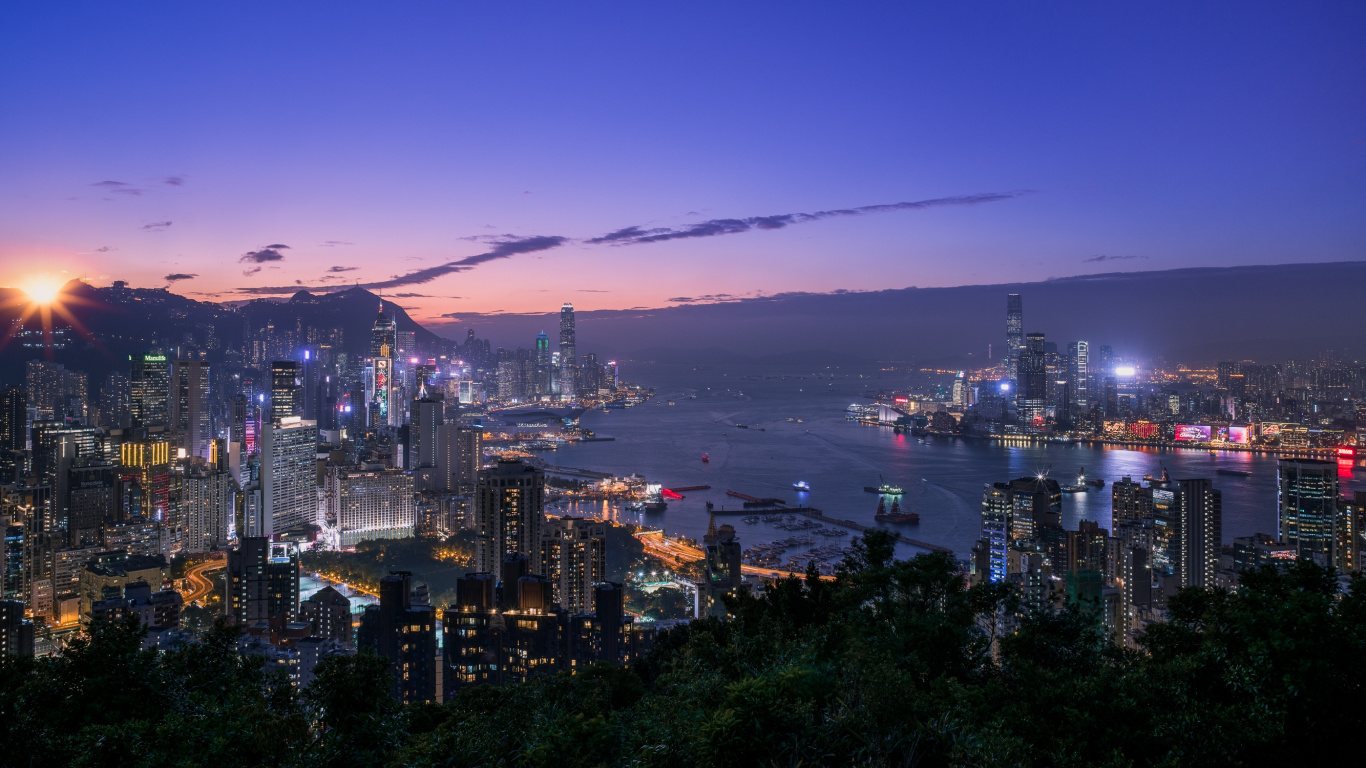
680, 553
201, 585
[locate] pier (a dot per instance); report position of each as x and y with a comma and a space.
816, 514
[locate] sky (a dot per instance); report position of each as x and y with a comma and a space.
497, 157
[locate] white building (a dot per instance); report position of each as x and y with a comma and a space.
289, 471
370, 503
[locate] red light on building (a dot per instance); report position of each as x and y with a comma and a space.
902, 400
1347, 451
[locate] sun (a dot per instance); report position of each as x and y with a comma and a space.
42, 289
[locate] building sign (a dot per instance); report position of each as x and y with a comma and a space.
1192, 433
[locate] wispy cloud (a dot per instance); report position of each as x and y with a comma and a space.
175, 276
1103, 257
118, 187
105, 249
335, 243
636, 235
253, 270
502, 249
267, 253
342, 269
156, 226
174, 181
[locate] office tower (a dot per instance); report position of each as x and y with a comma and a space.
1129, 501
286, 390
542, 381
960, 390
997, 521
56, 449
723, 572
289, 474
424, 425
1014, 334
1031, 390
115, 402
568, 354
148, 462
1349, 533
13, 419
208, 501
1201, 531
328, 613
383, 336
149, 385
1308, 494
92, 500
405, 345
1079, 376
405, 634
54, 391
12, 583
573, 556
1111, 394
190, 408
380, 391
16, 632
460, 454
508, 513
370, 504
263, 581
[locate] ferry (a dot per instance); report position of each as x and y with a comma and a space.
884, 488
802, 486
1083, 484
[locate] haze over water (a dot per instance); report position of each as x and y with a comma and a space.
942, 477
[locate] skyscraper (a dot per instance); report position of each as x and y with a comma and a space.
1201, 531
1308, 494
405, 634
568, 354
289, 454
263, 581
190, 407
723, 573
150, 390
13, 419
286, 389
1129, 501
573, 555
370, 504
1014, 333
542, 377
208, 500
424, 424
459, 455
383, 334
508, 513
1079, 376
1031, 391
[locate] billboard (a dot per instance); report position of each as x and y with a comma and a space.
1270, 430
1192, 433
1239, 435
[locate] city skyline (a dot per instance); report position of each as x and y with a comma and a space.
435, 157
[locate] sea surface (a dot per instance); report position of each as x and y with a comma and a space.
698, 410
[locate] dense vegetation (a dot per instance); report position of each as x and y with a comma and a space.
885, 665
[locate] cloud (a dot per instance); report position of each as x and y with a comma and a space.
591, 290
174, 181
171, 278
636, 235
118, 187
254, 270
156, 226
1103, 257
105, 249
342, 269
335, 243
710, 298
503, 248
414, 296
268, 253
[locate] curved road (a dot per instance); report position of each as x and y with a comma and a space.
201, 586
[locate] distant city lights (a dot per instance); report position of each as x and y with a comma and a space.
1126, 371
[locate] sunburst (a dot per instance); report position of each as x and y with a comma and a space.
43, 296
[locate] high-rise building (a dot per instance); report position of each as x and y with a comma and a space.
263, 581
115, 403
92, 500
382, 335
328, 613
1201, 531
1129, 501
13, 419
1079, 376
54, 391
148, 462
150, 390
541, 386
1014, 334
508, 513
208, 501
191, 415
1308, 494
460, 454
424, 424
404, 633
573, 555
997, 521
723, 572
370, 503
1031, 390
286, 389
568, 354
16, 632
289, 472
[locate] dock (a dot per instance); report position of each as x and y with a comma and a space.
816, 514
691, 488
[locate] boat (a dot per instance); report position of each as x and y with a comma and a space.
656, 506
1083, 484
1234, 472
802, 485
884, 488
742, 426
706, 459
896, 515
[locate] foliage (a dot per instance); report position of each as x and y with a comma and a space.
885, 665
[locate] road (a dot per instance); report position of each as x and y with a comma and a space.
201, 585
678, 553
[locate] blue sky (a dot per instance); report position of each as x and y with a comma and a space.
394, 141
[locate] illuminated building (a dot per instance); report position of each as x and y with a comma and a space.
424, 426
208, 500
568, 354
13, 419
508, 513
404, 633
150, 390
460, 453
149, 462
1031, 391
573, 556
997, 514
1129, 501
1308, 493
370, 504
1079, 376
114, 571
1014, 334
286, 392
16, 632
190, 406
541, 383
289, 455
1201, 531
723, 573
383, 334
328, 613
54, 391
92, 496
1349, 534
263, 581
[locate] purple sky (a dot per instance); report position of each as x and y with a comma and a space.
465, 157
